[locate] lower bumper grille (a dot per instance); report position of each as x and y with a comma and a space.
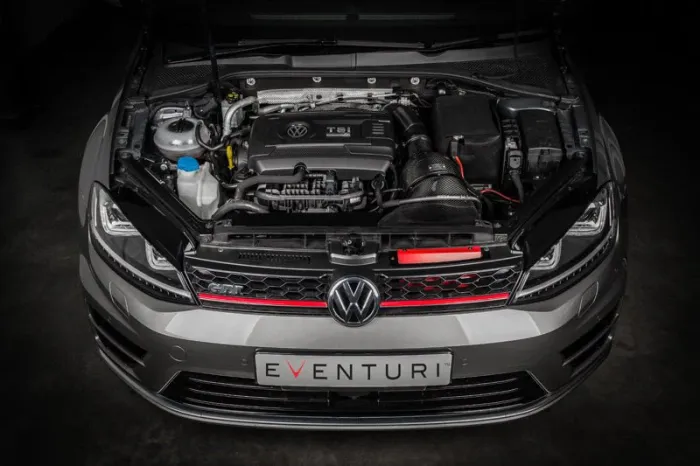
581, 353
118, 346
486, 394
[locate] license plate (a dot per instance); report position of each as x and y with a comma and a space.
353, 371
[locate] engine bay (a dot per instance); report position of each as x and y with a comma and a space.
434, 153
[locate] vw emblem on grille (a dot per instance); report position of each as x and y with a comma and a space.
353, 301
297, 130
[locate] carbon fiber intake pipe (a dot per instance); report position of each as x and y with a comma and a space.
432, 182
423, 163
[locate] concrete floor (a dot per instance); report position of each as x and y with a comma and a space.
62, 404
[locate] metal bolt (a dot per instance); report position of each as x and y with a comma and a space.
442, 91
371, 80
316, 79
415, 81
163, 166
250, 82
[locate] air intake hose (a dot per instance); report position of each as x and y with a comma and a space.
423, 164
434, 191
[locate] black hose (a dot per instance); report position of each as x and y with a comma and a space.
239, 133
418, 200
248, 183
232, 205
394, 181
518, 185
379, 196
489, 205
409, 122
198, 137
394, 176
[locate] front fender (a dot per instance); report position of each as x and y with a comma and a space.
96, 164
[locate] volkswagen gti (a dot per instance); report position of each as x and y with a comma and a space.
352, 219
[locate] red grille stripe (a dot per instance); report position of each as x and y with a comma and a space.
260, 301
447, 301
322, 304
437, 255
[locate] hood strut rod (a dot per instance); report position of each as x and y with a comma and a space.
216, 88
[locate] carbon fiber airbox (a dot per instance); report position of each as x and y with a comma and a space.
352, 143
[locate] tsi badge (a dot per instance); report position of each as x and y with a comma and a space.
353, 301
226, 289
338, 131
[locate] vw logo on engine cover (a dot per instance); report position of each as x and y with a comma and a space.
297, 130
353, 301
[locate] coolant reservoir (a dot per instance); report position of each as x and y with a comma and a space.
175, 137
197, 187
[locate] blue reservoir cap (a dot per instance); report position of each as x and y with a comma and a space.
187, 164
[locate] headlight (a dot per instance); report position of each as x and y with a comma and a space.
122, 246
583, 247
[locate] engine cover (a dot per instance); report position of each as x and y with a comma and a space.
351, 143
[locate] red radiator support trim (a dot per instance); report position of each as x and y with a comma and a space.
438, 255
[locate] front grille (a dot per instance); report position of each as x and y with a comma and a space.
480, 283
307, 294
487, 394
117, 345
247, 285
581, 353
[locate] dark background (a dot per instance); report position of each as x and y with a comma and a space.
62, 405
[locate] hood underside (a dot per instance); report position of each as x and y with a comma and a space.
410, 21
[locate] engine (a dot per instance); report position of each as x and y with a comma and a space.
341, 151
406, 157
356, 144
317, 193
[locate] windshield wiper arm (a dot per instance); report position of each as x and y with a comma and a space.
480, 41
246, 46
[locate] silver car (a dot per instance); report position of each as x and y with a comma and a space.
340, 232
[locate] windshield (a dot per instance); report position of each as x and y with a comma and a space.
409, 21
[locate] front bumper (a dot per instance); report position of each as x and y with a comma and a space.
162, 340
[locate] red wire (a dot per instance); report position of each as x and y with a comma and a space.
493, 191
461, 167
487, 190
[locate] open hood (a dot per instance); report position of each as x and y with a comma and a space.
409, 21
